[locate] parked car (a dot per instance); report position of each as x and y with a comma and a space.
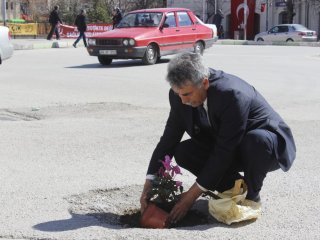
6, 48
149, 34
288, 33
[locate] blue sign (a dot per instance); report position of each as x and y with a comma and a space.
281, 3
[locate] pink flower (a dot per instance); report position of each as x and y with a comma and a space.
167, 163
178, 183
176, 169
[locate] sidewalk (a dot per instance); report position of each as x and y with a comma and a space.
28, 44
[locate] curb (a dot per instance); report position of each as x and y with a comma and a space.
20, 45
250, 42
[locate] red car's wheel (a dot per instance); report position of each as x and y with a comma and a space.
199, 48
104, 60
151, 55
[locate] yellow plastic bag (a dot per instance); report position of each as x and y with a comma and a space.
231, 205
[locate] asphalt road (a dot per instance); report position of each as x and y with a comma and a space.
72, 130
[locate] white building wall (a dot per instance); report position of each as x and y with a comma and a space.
13, 10
199, 7
311, 20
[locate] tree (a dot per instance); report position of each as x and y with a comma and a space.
68, 10
100, 12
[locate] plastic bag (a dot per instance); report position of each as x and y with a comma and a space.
231, 206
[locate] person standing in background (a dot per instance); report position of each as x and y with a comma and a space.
54, 19
217, 19
81, 24
117, 17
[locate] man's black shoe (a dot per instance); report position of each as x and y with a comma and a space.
256, 198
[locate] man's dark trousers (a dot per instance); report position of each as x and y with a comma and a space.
54, 29
255, 157
83, 36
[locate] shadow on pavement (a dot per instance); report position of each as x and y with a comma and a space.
109, 220
120, 64
116, 221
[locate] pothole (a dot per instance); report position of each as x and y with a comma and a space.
131, 219
6, 115
121, 207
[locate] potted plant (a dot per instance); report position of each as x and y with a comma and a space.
163, 196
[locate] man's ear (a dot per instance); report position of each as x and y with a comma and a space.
206, 83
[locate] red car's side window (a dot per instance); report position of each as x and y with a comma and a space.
184, 19
170, 20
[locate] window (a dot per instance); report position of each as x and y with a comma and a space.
170, 20
141, 19
274, 30
283, 29
184, 19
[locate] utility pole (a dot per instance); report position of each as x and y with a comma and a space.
267, 16
203, 10
4, 12
215, 6
245, 19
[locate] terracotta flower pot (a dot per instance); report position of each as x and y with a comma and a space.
154, 217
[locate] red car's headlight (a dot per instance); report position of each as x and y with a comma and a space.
129, 42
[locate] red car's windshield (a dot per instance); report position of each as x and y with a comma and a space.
141, 19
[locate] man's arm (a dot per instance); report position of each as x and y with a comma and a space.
185, 203
144, 196
171, 137
58, 18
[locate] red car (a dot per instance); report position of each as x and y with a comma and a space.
149, 34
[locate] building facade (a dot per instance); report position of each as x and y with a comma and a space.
257, 15
12, 9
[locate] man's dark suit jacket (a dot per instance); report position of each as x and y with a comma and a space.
234, 109
80, 22
54, 17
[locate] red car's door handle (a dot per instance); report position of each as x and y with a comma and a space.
177, 30
194, 29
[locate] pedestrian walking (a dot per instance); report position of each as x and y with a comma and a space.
81, 24
54, 20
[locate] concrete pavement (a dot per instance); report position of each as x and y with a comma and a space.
76, 138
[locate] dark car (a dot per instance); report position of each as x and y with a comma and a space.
151, 33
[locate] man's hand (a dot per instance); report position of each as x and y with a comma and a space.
185, 203
144, 195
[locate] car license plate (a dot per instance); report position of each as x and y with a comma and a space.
309, 34
108, 52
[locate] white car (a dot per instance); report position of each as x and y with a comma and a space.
288, 33
6, 48
212, 26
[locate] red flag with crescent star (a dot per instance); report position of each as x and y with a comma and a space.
238, 14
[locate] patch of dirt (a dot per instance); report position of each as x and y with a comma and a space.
121, 207
131, 219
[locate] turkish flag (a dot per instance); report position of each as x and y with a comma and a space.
238, 8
